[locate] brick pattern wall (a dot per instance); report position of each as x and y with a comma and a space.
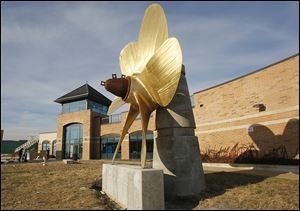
227, 112
276, 86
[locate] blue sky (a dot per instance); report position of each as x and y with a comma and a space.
50, 48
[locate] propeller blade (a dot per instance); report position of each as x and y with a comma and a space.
153, 32
162, 73
145, 117
132, 114
128, 59
116, 103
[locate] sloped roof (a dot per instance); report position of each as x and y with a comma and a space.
84, 92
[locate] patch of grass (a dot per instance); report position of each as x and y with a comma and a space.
54, 186
77, 186
229, 190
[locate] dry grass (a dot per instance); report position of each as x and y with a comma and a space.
229, 190
54, 186
76, 186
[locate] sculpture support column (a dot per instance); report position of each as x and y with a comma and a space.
176, 148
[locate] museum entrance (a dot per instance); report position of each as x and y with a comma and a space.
74, 149
135, 145
72, 143
108, 145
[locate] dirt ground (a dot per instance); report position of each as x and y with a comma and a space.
78, 186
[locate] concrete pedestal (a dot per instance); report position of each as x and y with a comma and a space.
176, 148
134, 188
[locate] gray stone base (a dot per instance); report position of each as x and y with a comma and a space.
179, 157
134, 188
176, 148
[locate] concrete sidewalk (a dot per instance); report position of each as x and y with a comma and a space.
237, 168
265, 173
263, 167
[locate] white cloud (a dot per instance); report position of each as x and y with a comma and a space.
32, 35
47, 51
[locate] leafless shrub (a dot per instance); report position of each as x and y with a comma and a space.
243, 153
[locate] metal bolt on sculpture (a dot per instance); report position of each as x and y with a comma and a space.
151, 69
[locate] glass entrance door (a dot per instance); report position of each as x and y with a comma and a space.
73, 141
74, 149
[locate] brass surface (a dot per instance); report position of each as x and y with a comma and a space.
117, 86
152, 66
116, 103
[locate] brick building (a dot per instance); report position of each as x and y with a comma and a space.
259, 109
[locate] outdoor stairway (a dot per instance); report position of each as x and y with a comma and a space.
31, 141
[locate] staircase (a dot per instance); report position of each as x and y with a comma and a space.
31, 141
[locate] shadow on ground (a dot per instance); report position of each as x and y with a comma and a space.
105, 201
217, 183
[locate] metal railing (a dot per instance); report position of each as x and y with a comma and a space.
31, 141
192, 100
111, 119
116, 118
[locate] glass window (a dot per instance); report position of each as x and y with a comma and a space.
45, 146
74, 106
96, 107
66, 108
82, 104
135, 145
54, 148
116, 118
111, 119
108, 147
73, 141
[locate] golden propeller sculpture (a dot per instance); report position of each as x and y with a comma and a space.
151, 69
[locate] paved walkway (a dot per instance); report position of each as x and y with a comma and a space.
289, 175
265, 173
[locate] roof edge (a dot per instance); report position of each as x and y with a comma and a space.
48, 132
58, 100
